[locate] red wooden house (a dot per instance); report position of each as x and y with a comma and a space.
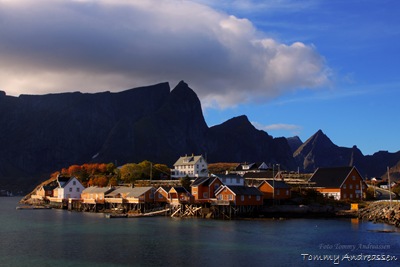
339, 183
273, 189
161, 194
178, 194
203, 188
239, 195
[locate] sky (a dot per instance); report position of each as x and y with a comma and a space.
292, 67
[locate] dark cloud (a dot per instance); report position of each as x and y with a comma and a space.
50, 46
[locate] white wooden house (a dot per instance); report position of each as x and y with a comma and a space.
191, 166
68, 188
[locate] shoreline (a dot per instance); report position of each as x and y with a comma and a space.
382, 212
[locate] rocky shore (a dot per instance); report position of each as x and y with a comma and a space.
382, 212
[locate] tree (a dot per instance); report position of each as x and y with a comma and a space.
370, 193
160, 171
128, 172
185, 182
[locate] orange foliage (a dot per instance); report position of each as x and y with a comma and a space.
100, 181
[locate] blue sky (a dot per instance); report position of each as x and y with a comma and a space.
293, 67
359, 41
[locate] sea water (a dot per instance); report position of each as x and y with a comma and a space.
63, 238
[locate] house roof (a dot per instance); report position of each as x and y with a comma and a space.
97, 190
201, 181
241, 190
251, 166
163, 187
330, 177
179, 189
63, 180
276, 184
138, 191
229, 175
49, 187
188, 160
206, 181
129, 191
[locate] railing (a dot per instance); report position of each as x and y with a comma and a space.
221, 202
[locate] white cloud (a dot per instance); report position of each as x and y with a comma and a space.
87, 45
291, 128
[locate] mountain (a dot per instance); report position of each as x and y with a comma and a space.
41, 134
237, 140
44, 133
320, 151
294, 143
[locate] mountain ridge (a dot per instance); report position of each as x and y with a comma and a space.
44, 133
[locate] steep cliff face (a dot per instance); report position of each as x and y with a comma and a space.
237, 140
320, 151
176, 128
44, 133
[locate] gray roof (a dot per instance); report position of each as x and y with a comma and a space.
97, 190
131, 192
188, 160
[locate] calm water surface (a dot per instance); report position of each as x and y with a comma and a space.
62, 238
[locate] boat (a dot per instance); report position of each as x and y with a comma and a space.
115, 215
28, 207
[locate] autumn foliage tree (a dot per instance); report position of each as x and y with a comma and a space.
102, 174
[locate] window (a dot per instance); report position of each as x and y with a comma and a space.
357, 186
351, 186
351, 195
205, 195
242, 197
353, 177
160, 195
344, 186
220, 197
74, 182
216, 187
287, 192
278, 192
70, 189
344, 195
230, 197
258, 198
77, 189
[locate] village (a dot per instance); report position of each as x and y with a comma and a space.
249, 190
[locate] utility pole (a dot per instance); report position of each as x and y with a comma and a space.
273, 184
390, 188
151, 171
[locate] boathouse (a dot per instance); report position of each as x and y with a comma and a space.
239, 196
275, 190
203, 188
339, 183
